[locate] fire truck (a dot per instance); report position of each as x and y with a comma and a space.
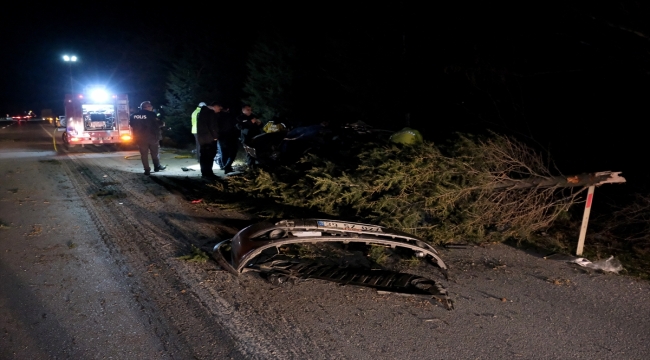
96, 118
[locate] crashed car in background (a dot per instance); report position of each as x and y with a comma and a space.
259, 248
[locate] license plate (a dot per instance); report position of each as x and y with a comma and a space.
97, 124
306, 233
349, 226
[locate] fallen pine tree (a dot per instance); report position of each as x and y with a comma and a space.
478, 189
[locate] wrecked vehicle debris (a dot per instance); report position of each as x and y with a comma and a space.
252, 241
258, 248
385, 281
607, 265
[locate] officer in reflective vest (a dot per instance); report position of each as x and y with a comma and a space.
195, 114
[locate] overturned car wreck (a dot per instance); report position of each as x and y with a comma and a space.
259, 248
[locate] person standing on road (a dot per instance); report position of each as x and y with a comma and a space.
219, 158
206, 131
195, 114
249, 126
146, 131
227, 133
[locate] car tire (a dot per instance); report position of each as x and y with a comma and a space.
66, 141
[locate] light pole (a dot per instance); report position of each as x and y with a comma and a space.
70, 60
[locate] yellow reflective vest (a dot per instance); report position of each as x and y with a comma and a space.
194, 116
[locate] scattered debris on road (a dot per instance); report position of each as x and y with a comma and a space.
36, 230
559, 282
608, 265
3, 225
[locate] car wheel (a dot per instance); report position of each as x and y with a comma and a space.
66, 141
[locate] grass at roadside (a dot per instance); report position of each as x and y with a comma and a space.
195, 255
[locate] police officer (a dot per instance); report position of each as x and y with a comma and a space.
146, 131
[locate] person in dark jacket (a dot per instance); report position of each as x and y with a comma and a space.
146, 131
227, 135
206, 131
249, 126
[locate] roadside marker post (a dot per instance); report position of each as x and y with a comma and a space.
595, 179
585, 220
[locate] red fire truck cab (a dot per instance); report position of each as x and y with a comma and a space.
96, 120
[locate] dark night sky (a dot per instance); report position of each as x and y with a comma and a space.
569, 76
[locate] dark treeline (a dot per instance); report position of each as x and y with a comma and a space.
567, 77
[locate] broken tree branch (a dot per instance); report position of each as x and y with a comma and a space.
581, 180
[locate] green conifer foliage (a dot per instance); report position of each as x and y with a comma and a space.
181, 95
418, 189
192, 79
271, 79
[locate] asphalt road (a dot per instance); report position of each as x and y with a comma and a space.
90, 268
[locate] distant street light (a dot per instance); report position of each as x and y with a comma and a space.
70, 60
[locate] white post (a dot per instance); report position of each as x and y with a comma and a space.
585, 220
